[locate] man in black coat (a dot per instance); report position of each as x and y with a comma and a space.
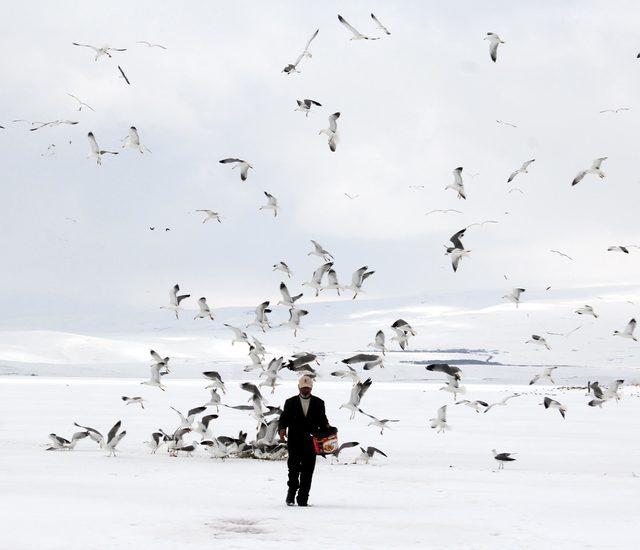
302, 415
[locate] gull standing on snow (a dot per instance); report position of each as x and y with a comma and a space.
514, 295
281, 266
205, 310
272, 204
243, 164
316, 278
332, 131
357, 280
537, 339
457, 185
553, 404
104, 50
521, 170
210, 215
595, 169
95, 151
546, 373
586, 310
293, 67
357, 392
133, 141
305, 105
175, 299
440, 422
628, 331
494, 41
380, 25
357, 35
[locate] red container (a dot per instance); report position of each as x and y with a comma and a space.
326, 444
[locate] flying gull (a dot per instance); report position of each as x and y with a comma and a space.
501, 458
561, 254
316, 278
380, 25
305, 105
175, 299
357, 280
243, 164
501, 403
546, 373
595, 169
124, 75
628, 331
294, 319
457, 185
272, 204
440, 422
281, 266
95, 151
475, 405
537, 339
133, 141
210, 215
357, 35
215, 380
586, 310
553, 404
443, 211
205, 310
494, 41
379, 342
104, 50
514, 295
318, 250
287, 299
521, 170
150, 45
134, 401
293, 67
377, 422
357, 392
51, 124
457, 251
332, 131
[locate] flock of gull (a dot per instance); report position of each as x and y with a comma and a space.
200, 420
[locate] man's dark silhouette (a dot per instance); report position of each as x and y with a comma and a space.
302, 415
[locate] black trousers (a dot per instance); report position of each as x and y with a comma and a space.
301, 463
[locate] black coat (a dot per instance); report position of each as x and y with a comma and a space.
301, 427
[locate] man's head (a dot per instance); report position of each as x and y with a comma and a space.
305, 385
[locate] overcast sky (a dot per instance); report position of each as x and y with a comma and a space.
413, 106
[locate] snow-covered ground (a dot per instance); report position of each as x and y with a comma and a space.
572, 486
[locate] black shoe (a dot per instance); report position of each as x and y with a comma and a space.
302, 502
291, 495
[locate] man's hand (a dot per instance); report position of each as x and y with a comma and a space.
283, 436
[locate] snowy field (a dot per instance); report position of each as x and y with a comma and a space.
573, 485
